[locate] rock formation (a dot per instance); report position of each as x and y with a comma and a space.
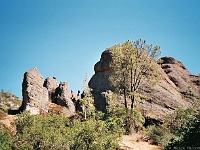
35, 96
63, 97
99, 82
179, 75
37, 92
163, 98
51, 84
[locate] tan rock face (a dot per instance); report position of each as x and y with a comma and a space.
163, 98
176, 72
35, 96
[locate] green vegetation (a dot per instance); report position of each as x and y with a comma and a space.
87, 101
5, 139
180, 130
133, 63
57, 132
132, 119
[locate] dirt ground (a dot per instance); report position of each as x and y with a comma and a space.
7, 121
134, 142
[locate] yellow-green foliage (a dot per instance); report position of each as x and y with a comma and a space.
5, 140
54, 132
133, 63
132, 119
180, 130
160, 134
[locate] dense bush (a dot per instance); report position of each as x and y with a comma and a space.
132, 120
56, 132
189, 135
92, 135
160, 135
39, 132
181, 130
5, 140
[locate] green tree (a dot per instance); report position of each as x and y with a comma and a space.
133, 63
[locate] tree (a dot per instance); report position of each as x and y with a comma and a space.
133, 63
87, 99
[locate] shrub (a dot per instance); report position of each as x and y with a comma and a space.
91, 135
160, 135
180, 121
189, 136
39, 132
131, 118
181, 130
5, 140
54, 132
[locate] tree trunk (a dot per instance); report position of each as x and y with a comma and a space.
132, 101
125, 101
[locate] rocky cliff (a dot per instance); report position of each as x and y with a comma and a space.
167, 95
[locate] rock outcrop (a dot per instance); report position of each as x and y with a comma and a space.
51, 84
37, 92
163, 98
63, 97
176, 72
99, 82
188, 85
35, 96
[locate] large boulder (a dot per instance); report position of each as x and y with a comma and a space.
35, 96
63, 97
162, 98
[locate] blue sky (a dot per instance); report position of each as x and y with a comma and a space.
65, 38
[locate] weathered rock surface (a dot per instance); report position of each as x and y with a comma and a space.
163, 98
104, 64
51, 84
35, 96
37, 92
63, 97
180, 76
99, 82
176, 72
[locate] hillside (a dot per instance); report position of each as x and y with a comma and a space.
9, 101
